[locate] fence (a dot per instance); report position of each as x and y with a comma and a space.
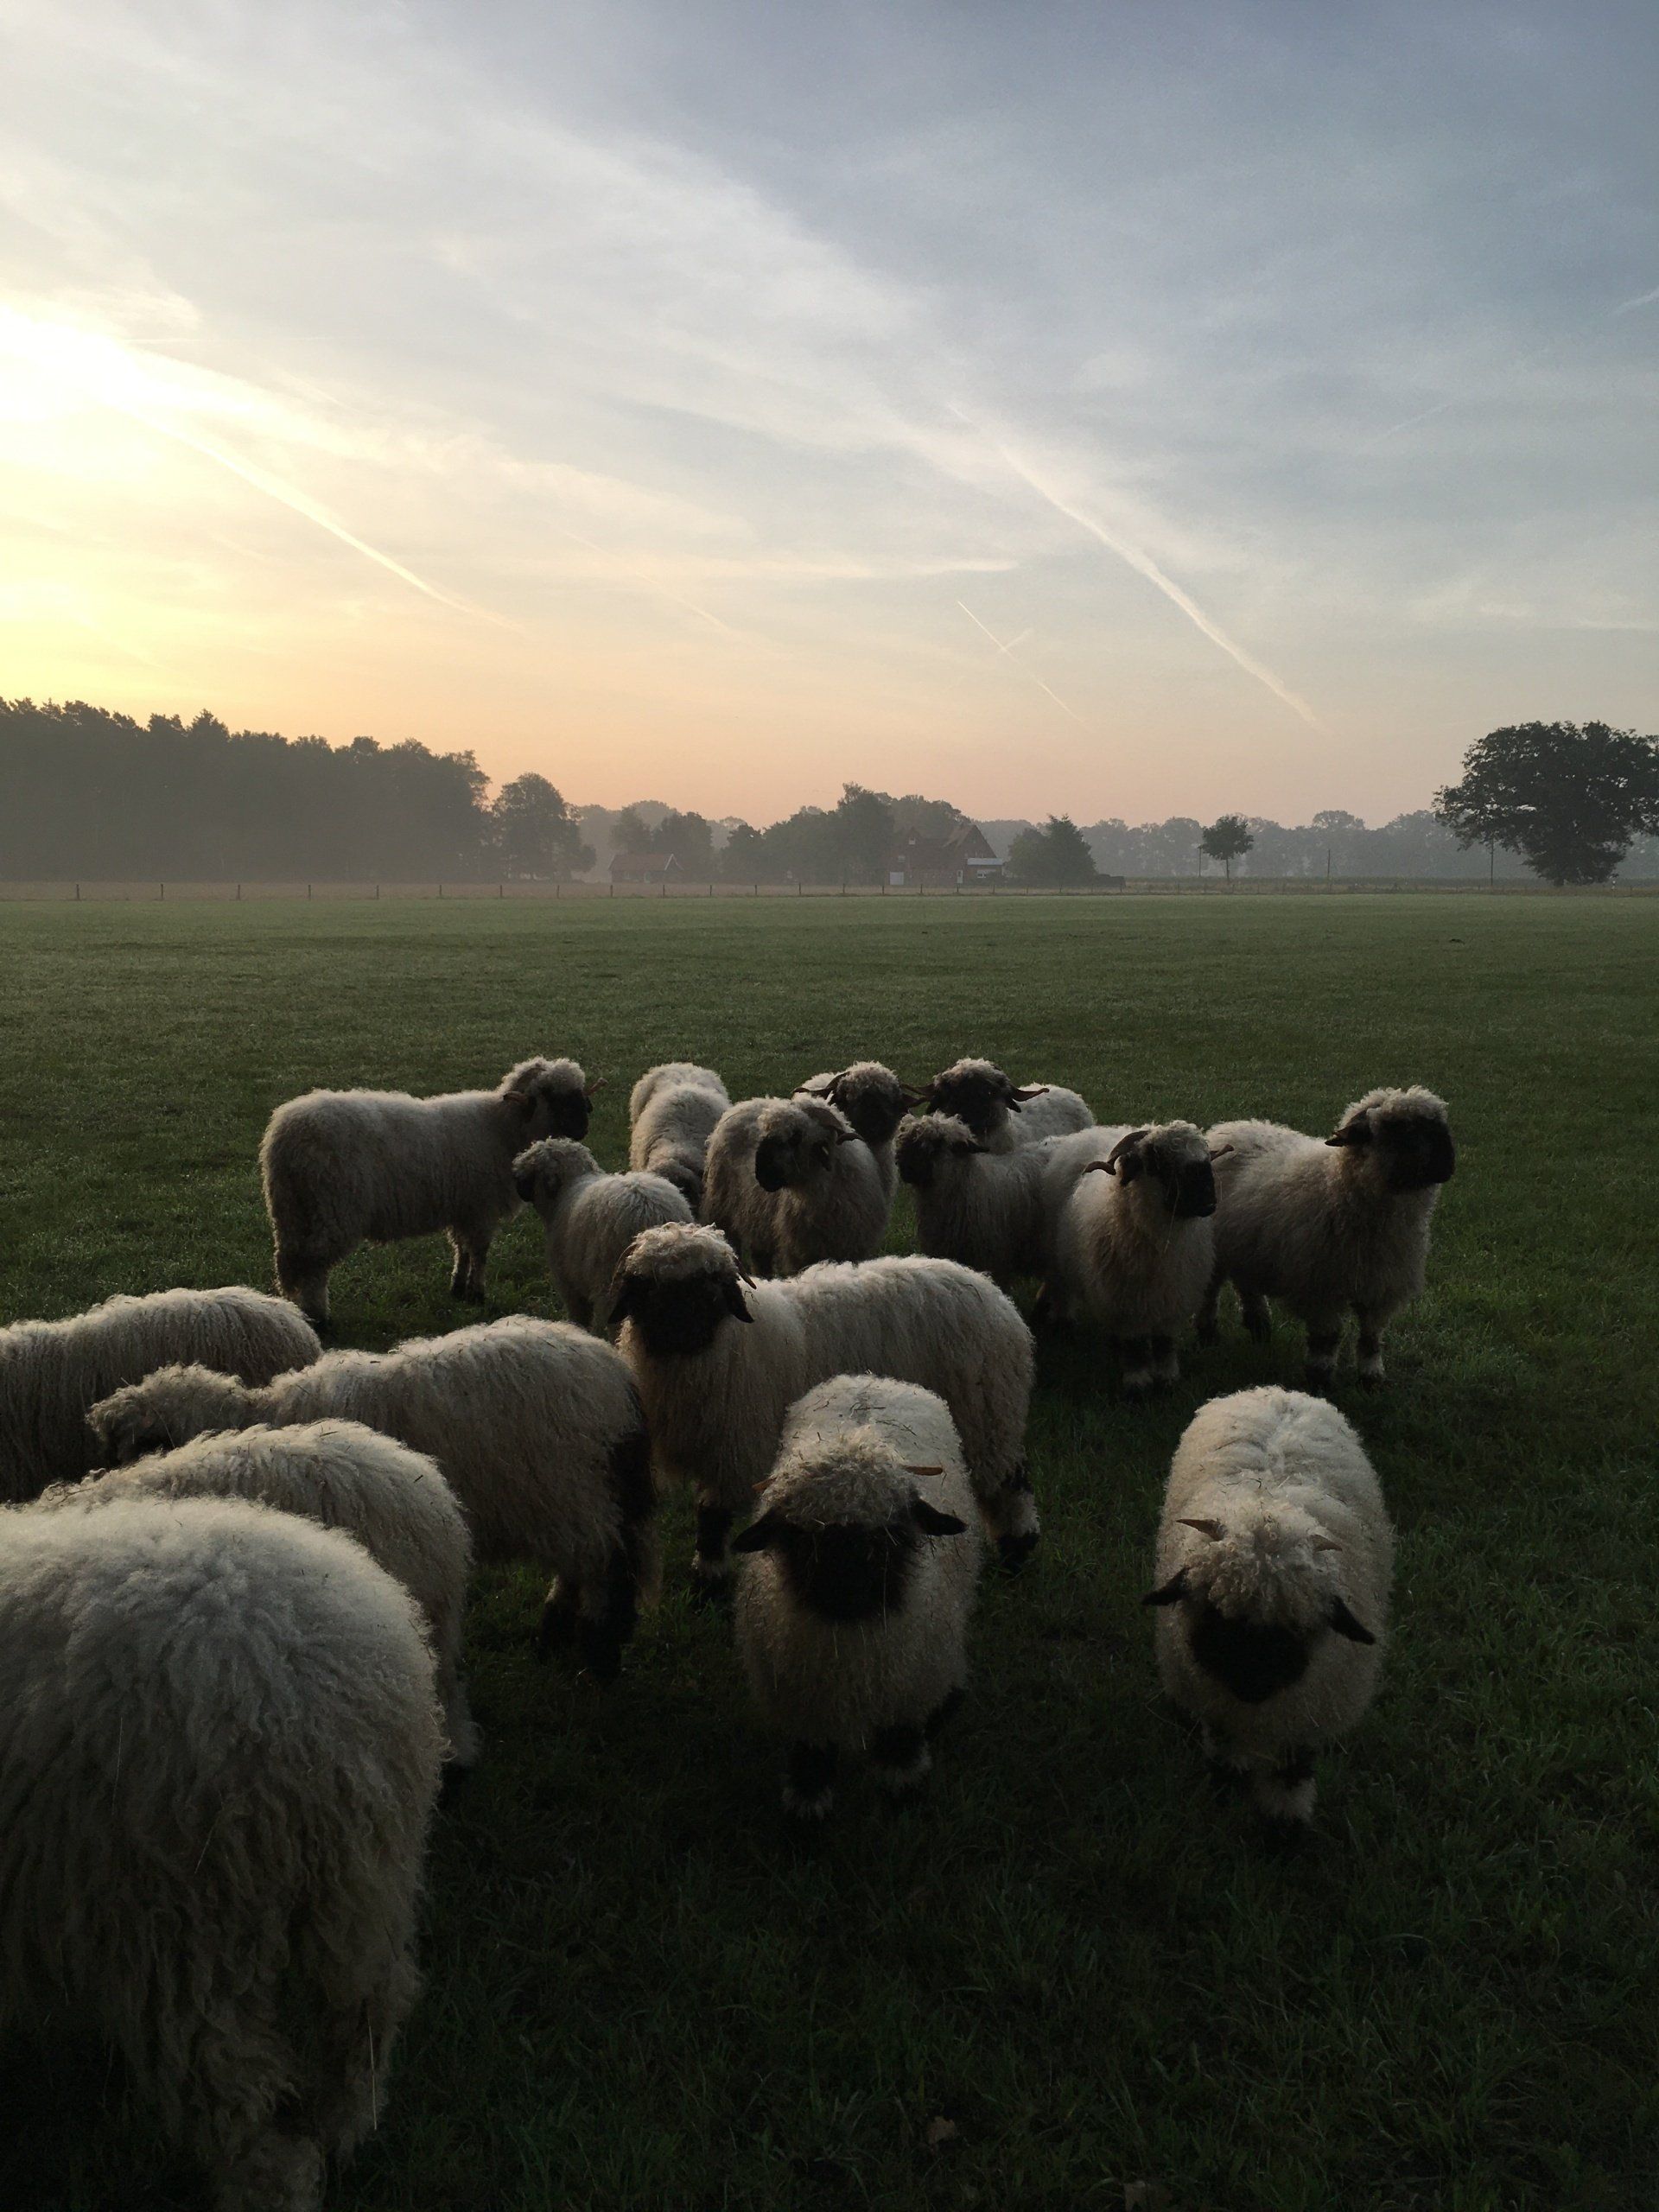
154, 892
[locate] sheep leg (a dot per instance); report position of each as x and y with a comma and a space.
1013, 1516
809, 1786
303, 1276
1136, 1355
580, 1309
1370, 1348
1323, 1345
609, 1618
275, 2173
1165, 1362
1209, 1313
1258, 1322
901, 1759
944, 1711
560, 1611
711, 1563
458, 1723
1284, 1795
471, 1246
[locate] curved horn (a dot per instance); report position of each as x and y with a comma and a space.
1125, 1143
909, 1469
1221, 1151
1024, 1095
598, 1084
1213, 1529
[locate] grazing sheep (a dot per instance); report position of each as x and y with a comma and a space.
719, 1362
53, 1372
537, 1429
995, 1211
590, 1219
346, 1167
873, 1101
1275, 1558
219, 1756
1001, 1116
672, 1117
1134, 1246
1324, 1226
853, 1605
343, 1475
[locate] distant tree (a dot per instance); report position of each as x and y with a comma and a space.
631, 831
690, 840
1569, 799
535, 834
742, 856
864, 833
1057, 853
1227, 839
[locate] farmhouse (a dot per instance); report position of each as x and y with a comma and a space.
963, 855
645, 867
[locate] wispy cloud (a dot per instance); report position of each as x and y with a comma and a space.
1642, 299
1008, 651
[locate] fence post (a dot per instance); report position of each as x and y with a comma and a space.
439, 891
664, 886
238, 894
613, 887
500, 890
307, 891
376, 891
757, 890
800, 890
711, 887
163, 891
557, 887
77, 894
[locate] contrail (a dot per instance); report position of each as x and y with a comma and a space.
1144, 565
1642, 300
652, 583
1020, 665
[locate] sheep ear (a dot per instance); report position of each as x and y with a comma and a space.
1344, 1623
622, 1297
1213, 1529
523, 1181
846, 1136
736, 1305
933, 1523
1171, 1593
1358, 1131
758, 1534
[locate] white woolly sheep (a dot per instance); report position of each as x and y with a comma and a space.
873, 1101
590, 1219
1275, 1558
1135, 1246
1326, 1226
733, 1200
347, 1167
671, 1116
853, 1605
52, 1373
830, 1192
218, 1755
537, 1427
1000, 1115
719, 1362
343, 1475
995, 1211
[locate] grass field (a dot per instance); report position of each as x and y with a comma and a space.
638, 1994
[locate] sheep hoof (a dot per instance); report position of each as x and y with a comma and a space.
1013, 1552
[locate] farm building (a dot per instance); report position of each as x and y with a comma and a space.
963, 856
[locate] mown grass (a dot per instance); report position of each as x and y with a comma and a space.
638, 1993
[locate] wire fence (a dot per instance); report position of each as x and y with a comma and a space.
159, 892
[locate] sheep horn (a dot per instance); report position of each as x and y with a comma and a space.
1130, 1138
1213, 1529
1221, 1151
598, 1084
1027, 1092
909, 1469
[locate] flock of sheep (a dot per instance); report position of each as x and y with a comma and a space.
233, 1567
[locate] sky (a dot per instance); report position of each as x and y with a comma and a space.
1117, 409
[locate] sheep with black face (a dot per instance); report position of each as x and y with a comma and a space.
672, 1111
831, 1192
1273, 1565
1326, 1226
347, 1167
873, 1101
1000, 1114
590, 1219
719, 1359
738, 1193
995, 1211
856, 1585
1134, 1246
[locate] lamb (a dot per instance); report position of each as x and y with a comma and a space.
719, 1359
51, 1372
1326, 1226
344, 1475
977, 1092
995, 1211
1134, 1246
769, 1186
346, 1167
852, 1601
219, 1752
538, 1428
1274, 1559
590, 1219
672, 1117
873, 1101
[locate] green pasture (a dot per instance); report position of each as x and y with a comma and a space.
1068, 1971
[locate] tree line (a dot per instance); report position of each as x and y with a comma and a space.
86, 793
